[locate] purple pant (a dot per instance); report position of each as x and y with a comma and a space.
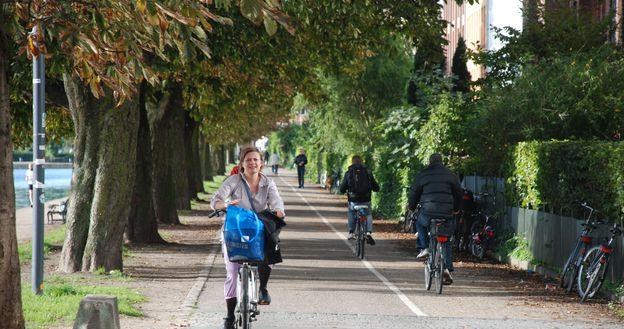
231, 278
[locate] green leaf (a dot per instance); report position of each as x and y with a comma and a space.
270, 25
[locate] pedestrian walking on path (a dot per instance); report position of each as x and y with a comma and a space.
274, 162
29, 178
263, 195
300, 162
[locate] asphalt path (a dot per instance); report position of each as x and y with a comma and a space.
321, 284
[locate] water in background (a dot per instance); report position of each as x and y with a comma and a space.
57, 182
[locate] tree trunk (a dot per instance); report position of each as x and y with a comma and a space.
11, 316
191, 141
86, 114
178, 149
163, 194
100, 198
142, 224
222, 160
208, 171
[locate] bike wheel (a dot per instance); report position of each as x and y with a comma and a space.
428, 273
569, 270
439, 266
591, 274
244, 302
477, 249
361, 239
357, 239
407, 221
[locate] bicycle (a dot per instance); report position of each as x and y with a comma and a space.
571, 267
360, 229
407, 221
247, 290
593, 269
481, 232
434, 264
334, 187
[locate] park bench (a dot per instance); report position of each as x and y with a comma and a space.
58, 212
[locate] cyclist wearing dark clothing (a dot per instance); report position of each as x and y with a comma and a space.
301, 161
359, 183
438, 192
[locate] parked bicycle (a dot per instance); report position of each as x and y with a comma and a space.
334, 186
434, 264
571, 267
481, 230
247, 290
360, 229
593, 269
406, 224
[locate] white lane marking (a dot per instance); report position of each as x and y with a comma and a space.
366, 263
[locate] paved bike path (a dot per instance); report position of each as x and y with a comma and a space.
321, 284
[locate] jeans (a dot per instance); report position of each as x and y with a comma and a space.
301, 175
352, 216
422, 227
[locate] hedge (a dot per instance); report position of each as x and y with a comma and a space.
559, 175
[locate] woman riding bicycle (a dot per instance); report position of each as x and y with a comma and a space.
264, 195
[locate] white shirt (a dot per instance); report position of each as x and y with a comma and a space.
29, 176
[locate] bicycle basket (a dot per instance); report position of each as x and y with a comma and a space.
243, 235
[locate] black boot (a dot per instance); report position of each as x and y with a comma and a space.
229, 321
264, 272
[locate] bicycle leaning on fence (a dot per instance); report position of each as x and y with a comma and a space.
434, 264
571, 267
481, 230
593, 269
247, 290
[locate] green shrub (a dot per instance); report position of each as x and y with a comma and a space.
561, 174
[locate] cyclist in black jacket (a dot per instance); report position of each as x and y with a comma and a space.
438, 191
360, 183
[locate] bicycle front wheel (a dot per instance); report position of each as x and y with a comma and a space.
569, 270
428, 274
407, 221
591, 274
244, 301
439, 266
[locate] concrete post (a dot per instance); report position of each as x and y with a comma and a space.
98, 312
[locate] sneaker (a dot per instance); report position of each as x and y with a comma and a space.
369, 239
447, 280
423, 254
229, 323
265, 298
351, 236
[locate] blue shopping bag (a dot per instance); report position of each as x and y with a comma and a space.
243, 234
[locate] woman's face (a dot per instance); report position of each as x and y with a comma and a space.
252, 163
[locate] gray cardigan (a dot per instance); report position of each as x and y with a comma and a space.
233, 188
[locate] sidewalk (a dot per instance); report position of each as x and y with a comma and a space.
24, 221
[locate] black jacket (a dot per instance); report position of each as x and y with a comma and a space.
272, 228
301, 158
344, 185
437, 189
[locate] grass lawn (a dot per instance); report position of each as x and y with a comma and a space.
52, 238
61, 298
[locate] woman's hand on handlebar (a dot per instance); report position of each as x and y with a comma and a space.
279, 214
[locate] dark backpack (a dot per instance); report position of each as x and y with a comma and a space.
359, 182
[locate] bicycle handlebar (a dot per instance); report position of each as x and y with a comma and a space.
217, 213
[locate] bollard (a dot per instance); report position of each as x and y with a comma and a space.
97, 312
